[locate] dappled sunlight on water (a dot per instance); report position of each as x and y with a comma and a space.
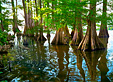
43, 62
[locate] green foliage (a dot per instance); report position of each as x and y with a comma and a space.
3, 38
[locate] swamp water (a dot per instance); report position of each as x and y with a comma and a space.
43, 62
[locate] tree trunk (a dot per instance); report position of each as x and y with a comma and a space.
14, 17
66, 34
91, 41
78, 35
26, 16
103, 29
78, 32
36, 11
48, 31
29, 15
41, 36
59, 38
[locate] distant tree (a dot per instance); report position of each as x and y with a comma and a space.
41, 36
103, 28
15, 25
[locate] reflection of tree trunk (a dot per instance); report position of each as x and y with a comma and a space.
103, 29
79, 65
79, 62
103, 67
91, 41
67, 59
60, 54
91, 62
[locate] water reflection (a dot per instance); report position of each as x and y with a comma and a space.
79, 62
38, 63
103, 67
62, 53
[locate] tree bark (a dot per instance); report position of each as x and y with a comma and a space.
15, 25
26, 17
91, 41
41, 36
103, 29
78, 32
59, 38
36, 11
48, 31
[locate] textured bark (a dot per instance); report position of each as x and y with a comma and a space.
103, 32
26, 16
41, 36
48, 31
29, 15
66, 34
36, 11
91, 41
14, 17
103, 29
78, 32
59, 37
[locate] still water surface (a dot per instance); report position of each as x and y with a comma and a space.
43, 62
